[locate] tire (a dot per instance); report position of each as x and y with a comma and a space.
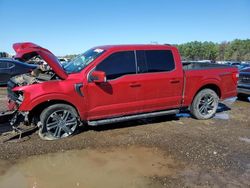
205, 104
58, 121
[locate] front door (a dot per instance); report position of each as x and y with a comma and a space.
119, 95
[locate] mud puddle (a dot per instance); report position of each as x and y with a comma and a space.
128, 167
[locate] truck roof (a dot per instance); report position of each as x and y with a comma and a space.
133, 46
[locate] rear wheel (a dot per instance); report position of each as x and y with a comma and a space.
58, 121
205, 104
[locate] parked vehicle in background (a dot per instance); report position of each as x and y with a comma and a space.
62, 60
240, 65
205, 61
244, 84
108, 84
221, 62
11, 67
4, 55
235, 63
244, 66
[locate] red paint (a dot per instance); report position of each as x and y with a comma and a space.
12, 105
23, 49
129, 94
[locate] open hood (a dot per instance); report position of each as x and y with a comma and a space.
27, 50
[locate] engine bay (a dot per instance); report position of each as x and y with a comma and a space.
33, 78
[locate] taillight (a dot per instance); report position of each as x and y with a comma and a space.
235, 77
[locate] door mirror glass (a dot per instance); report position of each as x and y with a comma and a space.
98, 77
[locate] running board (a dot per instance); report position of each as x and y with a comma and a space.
132, 117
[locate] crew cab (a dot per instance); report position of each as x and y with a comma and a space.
108, 84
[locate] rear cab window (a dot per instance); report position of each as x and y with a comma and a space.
149, 61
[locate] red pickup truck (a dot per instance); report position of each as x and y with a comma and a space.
108, 84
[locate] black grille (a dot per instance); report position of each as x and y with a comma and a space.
244, 78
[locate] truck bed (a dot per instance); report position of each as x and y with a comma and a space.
201, 66
216, 76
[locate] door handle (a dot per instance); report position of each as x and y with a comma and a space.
174, 81
135, 85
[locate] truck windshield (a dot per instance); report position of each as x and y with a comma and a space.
80, 62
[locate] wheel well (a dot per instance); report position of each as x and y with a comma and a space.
213, 87
34, 114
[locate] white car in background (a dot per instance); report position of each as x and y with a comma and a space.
63, 60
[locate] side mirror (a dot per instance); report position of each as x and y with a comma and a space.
98, 77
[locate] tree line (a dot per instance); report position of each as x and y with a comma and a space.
236, 50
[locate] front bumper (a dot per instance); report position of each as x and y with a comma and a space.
15, 99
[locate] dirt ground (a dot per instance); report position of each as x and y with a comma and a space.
184, 152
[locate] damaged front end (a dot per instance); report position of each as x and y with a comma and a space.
15, 99
18, 120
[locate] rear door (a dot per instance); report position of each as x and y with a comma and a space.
117, 96
12, 68
161, 81
4, 72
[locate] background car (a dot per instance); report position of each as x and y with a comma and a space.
12, 67
244, 84
63, 60
244, 66
4, 54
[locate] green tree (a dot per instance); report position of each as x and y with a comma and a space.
222, 50
236, 50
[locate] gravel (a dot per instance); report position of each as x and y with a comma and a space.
211, 153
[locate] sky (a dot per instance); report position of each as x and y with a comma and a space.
72, 27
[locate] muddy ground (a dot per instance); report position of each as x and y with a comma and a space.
165, 152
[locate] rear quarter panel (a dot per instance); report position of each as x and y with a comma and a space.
220, 77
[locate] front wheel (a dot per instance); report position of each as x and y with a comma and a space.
205, 104
58, 121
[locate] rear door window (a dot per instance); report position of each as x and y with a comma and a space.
118, 64
10, 65
155, 61
3, 65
